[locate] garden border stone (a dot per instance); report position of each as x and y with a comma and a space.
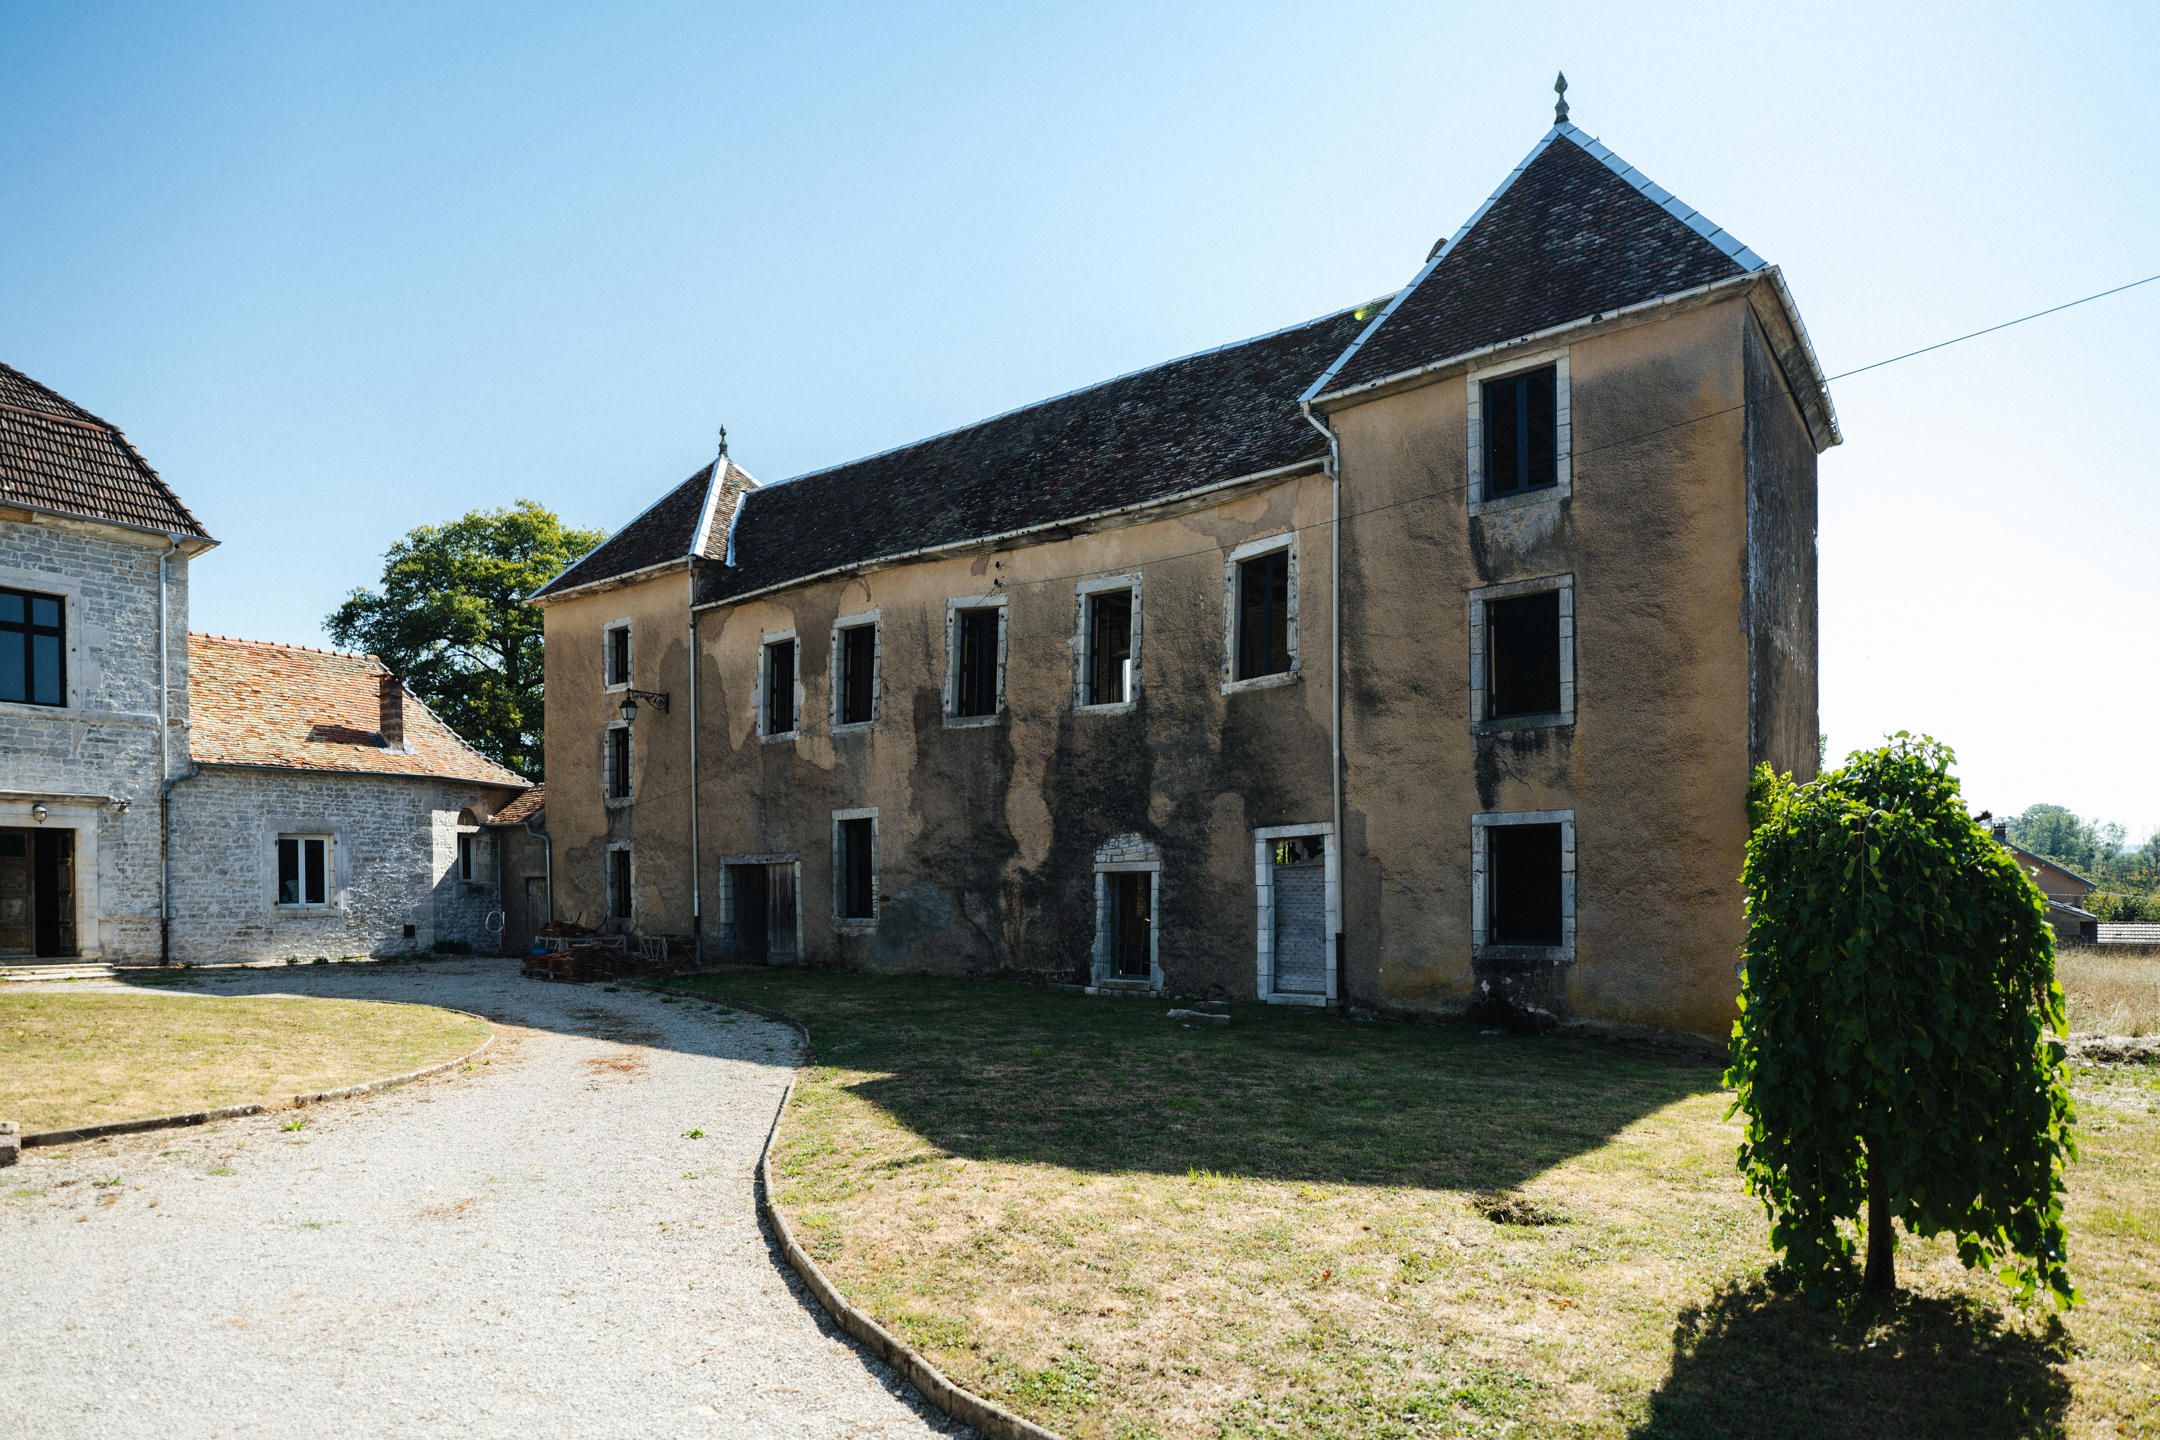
957, 1401
233, 1112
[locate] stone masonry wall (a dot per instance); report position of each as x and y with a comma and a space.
94, 762
393, 866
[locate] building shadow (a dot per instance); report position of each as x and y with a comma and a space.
1765, 1364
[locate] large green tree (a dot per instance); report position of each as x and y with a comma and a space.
1900, 1043
450, 617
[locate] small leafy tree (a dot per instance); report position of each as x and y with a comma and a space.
451, 618
1899, 1045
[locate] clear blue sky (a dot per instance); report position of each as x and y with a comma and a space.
341, 270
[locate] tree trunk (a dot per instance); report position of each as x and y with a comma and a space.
1881, 1274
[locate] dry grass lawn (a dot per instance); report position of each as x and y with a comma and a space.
2112, 989
68, 1060
1302, 1225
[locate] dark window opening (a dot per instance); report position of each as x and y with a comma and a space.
618, 762
1263, 629
858, 675
33, 648
303, 870
780, 687
1109, 647
1522, 655
619, 884
465, 867
975, 687
1522, 874
1521, 424
857, 867
618, 656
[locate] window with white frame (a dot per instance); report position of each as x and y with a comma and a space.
615, 763
621, 885
855, 869
615, 655
779, 688
1522, 654
1520, 435
1522, 873
855, 661
1107, 643
975, 660
1260, 582
303, 872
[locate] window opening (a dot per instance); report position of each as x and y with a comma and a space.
33, 648
975, 683
857, 867
1520, 421
858, 674
619, 893
1263, 631
779, 687
618, 762
1522, 650
303, 871
1109, 640
1523, 868
618, 655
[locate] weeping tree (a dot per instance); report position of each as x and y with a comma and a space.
1900, 1043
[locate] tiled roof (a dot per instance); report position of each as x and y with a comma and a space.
690, 515
55, 455
1151, 435
1573, 232
252, 702
528, 806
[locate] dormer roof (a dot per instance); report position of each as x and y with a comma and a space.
691, 520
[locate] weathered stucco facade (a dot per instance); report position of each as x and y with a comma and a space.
1189, 837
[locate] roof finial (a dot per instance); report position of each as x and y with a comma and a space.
1559, 109
723, 442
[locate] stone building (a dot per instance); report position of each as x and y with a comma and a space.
327, 812
94, 553
189, 797
1415, 656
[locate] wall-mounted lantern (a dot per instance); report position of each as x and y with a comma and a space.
656, 698
38, 812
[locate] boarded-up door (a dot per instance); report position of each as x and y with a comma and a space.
1300, 939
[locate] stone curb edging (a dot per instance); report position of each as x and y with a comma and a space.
962, 1404
233, 1112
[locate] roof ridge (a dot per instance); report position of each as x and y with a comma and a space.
619, 531
1075, 391
289, 645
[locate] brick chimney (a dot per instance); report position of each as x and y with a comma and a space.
392, 727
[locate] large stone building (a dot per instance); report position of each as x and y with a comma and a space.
1415, 656
167, 796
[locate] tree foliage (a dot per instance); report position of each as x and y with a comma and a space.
1899, 1047
450, 617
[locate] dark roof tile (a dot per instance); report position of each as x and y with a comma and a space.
664, 532
55, 455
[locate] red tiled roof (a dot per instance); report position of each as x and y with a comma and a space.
254, 702
533, 802
55, 455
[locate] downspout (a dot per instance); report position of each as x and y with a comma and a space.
166, 779
1335, 674
697, 908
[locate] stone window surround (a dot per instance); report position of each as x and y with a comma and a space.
875, 619
69, 589
607, 631
484, 858
607, 886
1563, 431
607, 795
1247, 551
764, 678
337, 864
953, 609
1264, 840
853, 924
83, 819
1481, 827
1082, 644
1480, 692
729, 899
1126, 854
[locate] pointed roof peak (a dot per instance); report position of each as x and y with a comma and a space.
1559, 109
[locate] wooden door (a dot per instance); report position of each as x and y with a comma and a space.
1132, 922
18, 925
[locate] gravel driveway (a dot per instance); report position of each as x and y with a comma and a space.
542, 1245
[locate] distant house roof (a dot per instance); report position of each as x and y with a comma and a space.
252, 702
528, 806
1573, 233
2035, 858
1153, 435
57, 456
691, 519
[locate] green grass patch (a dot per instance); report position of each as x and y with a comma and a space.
1303, 1225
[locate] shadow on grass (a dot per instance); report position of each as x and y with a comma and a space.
1005, 1072
1758, 1363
